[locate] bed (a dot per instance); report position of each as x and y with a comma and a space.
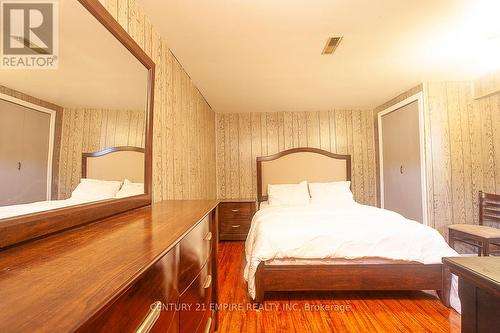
117, 166
275, 266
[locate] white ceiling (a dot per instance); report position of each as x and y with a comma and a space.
95, 69
265, 55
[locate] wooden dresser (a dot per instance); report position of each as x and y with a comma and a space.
235, 217
479, 291
148, 270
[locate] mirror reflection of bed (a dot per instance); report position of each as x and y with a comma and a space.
113, 173
94, 102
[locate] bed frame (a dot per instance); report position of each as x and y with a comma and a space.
387, 276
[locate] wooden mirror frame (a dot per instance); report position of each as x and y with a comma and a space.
19, 229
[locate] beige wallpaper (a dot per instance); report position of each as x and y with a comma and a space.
90, 130
241, 137
184, 123
462, 149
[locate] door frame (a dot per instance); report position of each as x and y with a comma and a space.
52, 128
419, 98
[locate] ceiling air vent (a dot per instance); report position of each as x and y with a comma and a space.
331, 45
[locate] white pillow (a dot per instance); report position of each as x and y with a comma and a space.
93, 189
288, 194
129, 189
334, 193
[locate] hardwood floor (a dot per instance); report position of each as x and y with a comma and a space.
324, 311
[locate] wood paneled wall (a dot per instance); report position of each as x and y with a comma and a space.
90, 130
462, 151
242, 137
184, 123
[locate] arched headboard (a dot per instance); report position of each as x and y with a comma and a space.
116, 163
298, 164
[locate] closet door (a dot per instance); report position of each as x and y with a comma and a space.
35, 155
24, 153
11, 123
402, 188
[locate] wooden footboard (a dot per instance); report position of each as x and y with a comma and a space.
411, 276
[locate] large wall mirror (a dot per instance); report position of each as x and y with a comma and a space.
75, 141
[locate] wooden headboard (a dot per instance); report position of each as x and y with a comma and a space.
299, 164
116, 163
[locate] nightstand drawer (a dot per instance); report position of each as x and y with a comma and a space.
234, 228
237, 210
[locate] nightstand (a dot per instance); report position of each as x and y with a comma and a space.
235, 217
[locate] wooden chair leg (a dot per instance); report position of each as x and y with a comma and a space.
451, 241
486, 248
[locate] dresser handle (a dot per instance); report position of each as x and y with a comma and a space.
209, 324
150, 320
235, 226
208, 236
235, 210
208, 281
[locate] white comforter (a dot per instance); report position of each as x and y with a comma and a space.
39, 206
351, 231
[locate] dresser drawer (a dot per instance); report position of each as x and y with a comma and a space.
207, 323
195, 301
194, 252
149, 297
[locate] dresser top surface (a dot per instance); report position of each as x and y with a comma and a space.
485, 269
64, 279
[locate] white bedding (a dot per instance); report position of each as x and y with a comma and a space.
349, 232
88, 190
39, 206
332, 261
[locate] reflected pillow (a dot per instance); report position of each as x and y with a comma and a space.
94, 189
333, 193
288, 194
129, 189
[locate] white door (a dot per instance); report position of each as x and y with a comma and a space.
35, 154
401, 169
